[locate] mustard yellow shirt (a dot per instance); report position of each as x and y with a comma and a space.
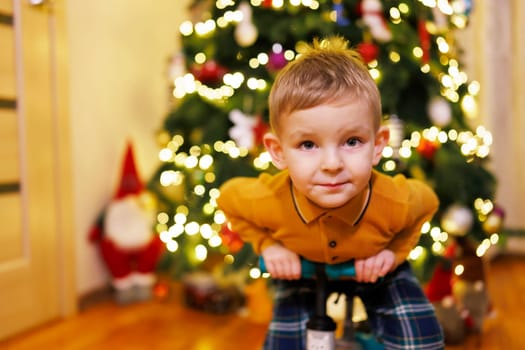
387, 215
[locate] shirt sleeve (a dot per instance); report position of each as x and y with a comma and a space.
422, 203
240, 205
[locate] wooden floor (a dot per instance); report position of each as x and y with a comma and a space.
170, 325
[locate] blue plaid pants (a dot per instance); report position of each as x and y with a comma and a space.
399, 314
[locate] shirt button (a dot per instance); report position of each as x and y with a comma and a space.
332, 244
334, 258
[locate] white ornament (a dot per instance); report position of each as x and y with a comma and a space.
397, 132
372, 17
440, 19
457, 220
439, 111
245, 33
242, 130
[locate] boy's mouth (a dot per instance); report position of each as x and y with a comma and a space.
334, 185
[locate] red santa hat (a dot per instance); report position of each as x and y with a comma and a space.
130, 182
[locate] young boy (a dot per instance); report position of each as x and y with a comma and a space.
328, 204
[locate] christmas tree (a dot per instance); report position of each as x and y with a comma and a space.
232, 51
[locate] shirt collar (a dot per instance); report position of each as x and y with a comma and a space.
351, 213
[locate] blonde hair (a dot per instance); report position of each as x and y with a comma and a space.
326, 71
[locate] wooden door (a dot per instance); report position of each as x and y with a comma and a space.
35, 216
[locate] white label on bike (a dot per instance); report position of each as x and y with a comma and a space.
320, 340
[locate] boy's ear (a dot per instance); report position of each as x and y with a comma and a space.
273, 146
382, 137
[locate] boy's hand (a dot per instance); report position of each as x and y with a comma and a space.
374, 267
281, 262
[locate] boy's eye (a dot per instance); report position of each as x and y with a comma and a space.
353, 141
307, 145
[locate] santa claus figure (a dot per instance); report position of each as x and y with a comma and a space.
124, 233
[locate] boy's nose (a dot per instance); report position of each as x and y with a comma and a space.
331, 161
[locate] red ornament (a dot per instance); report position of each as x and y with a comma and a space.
267, 3
427, 148
451, 250
209, 73
424, 38
231, 239
368, 51
259, 129
276, 61
499, 211
440, 285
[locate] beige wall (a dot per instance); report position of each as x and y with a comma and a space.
119, 89
495, 52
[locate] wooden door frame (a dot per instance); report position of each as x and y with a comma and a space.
67, 234
62, 148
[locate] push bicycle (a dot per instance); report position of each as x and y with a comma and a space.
320, 329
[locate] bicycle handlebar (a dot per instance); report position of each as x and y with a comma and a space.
335, 271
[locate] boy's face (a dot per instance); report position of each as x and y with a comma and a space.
329, 150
